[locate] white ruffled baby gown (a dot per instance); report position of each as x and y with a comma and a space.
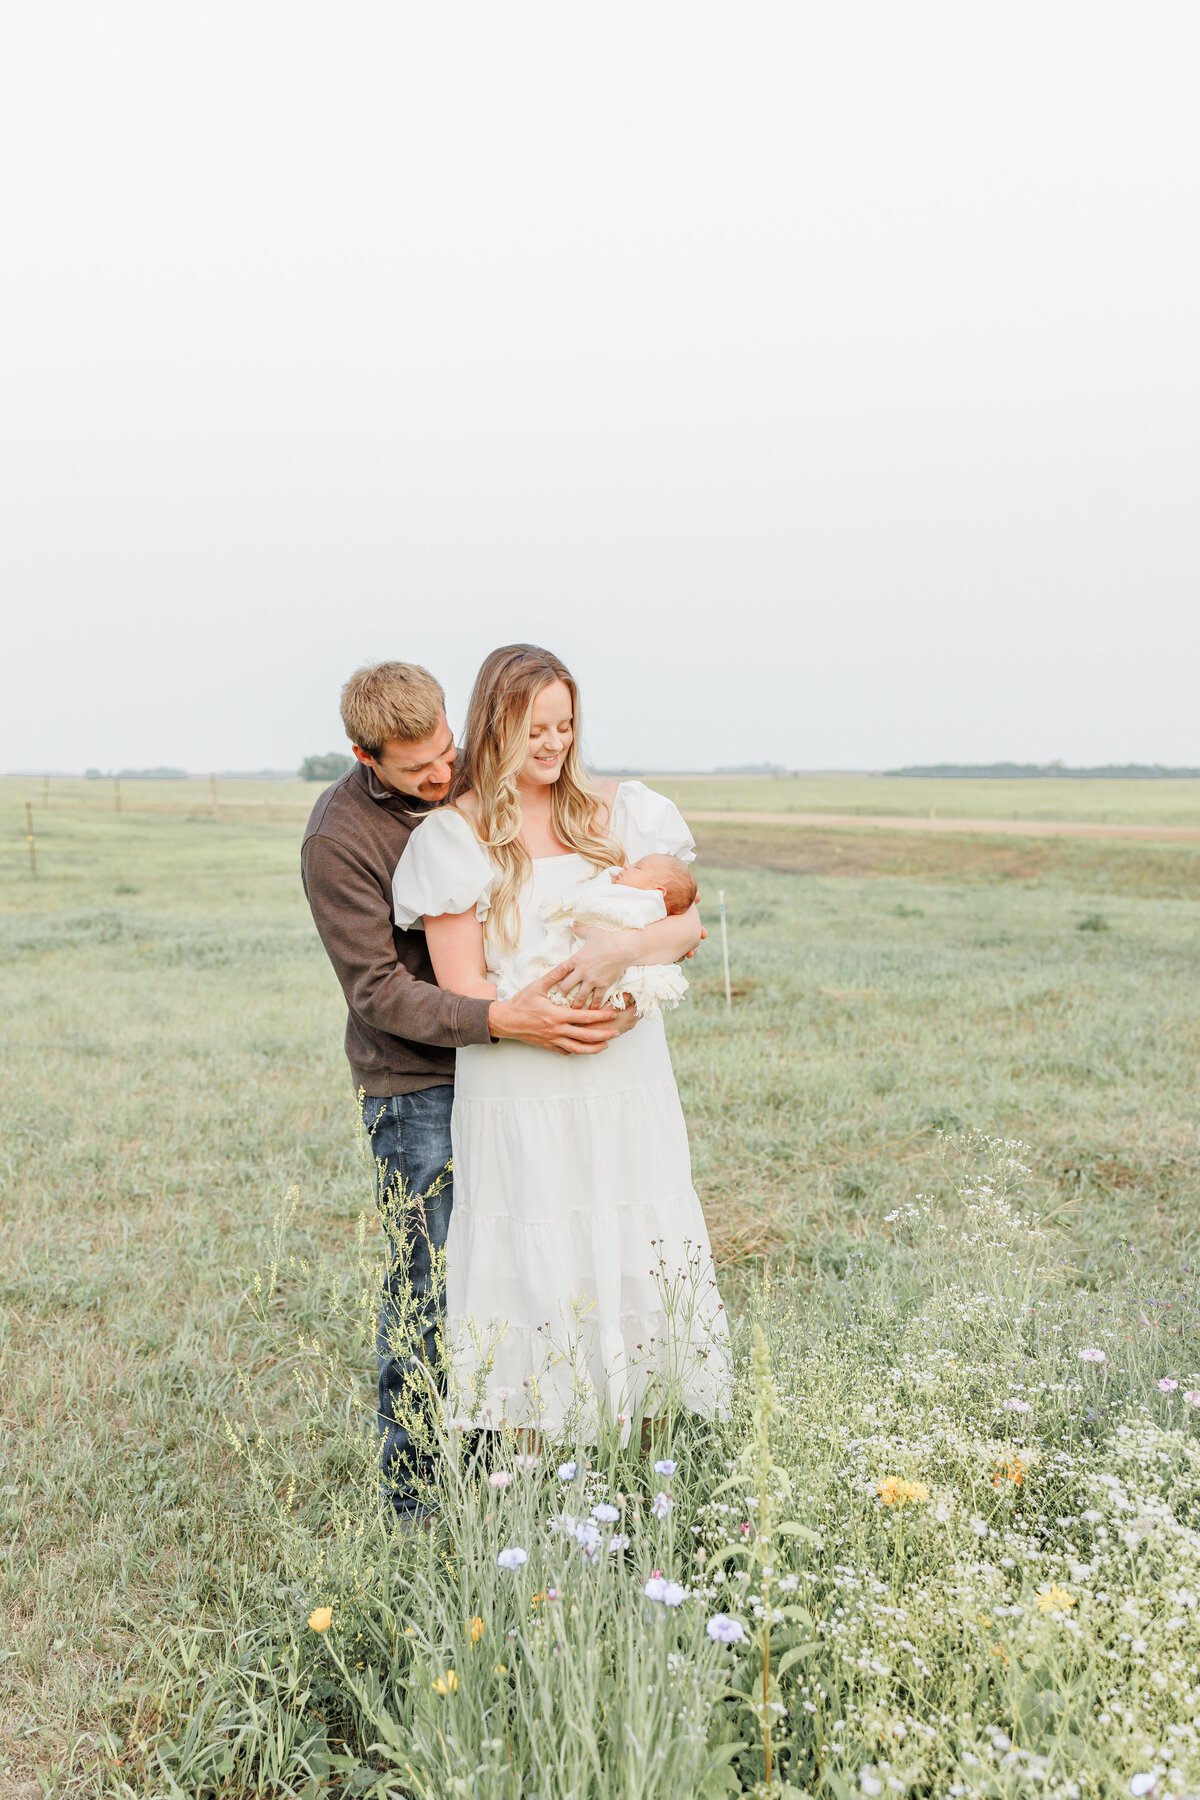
579, 1277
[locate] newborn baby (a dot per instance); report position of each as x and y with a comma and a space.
652, 888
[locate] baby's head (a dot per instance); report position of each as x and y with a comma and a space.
673, 879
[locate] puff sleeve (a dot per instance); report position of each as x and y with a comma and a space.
648, 824
444, 869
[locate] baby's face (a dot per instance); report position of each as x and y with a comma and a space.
636, 875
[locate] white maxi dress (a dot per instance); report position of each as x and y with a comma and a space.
579, 1279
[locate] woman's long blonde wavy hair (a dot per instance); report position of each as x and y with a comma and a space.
493, 752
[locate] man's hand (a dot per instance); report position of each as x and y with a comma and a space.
531, 1018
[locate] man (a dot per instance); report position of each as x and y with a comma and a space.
402, 1030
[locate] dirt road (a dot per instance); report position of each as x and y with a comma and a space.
1179, 834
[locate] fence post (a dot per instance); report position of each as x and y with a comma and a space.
725, 952
29, 835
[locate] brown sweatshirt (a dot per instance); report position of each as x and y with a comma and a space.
402, 1030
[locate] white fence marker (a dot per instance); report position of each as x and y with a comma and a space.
725, 951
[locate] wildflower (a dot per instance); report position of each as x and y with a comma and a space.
321, 1619
1142, 1784
512, 1558
1055, 1599
661, 1505
894, 1492
1010, 1468
666, 1467
618, 1541
724, 1630
499, 1668
527, 1462
606, 1514
1165, 1386
547, 1594
567, 1471
587, 1536
1092, 1356
667, 1593
1017, 1406
869, 1781
474, 1629
446, 1684
499, 1478
1192, 1396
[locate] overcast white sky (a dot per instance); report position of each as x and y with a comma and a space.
822, 381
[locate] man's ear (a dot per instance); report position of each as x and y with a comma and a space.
362, 755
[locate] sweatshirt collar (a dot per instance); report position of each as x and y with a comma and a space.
401, 804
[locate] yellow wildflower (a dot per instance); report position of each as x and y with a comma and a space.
895, 1492
474, 1629
499, 1668
447, 1684
1055, 1599
321, 1619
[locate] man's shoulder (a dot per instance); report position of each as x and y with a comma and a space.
332, 806
347, 812
348, 821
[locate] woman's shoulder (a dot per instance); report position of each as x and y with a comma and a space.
634, 800
649, 823
443, 868
447, 825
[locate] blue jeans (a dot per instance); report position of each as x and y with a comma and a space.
410, 1142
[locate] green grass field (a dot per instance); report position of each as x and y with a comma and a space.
172, 1068
1101, 802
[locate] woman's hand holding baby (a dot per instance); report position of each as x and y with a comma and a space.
602, 958
605, 955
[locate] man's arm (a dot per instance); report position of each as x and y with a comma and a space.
354, 918
607, 954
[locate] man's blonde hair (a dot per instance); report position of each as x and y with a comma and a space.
391, 700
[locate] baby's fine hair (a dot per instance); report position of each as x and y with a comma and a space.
674, 878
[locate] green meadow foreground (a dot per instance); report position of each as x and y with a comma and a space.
936, 1550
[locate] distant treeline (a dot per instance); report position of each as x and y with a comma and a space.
1048, 771
326, 768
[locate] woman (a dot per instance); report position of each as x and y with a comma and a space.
578, 1272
